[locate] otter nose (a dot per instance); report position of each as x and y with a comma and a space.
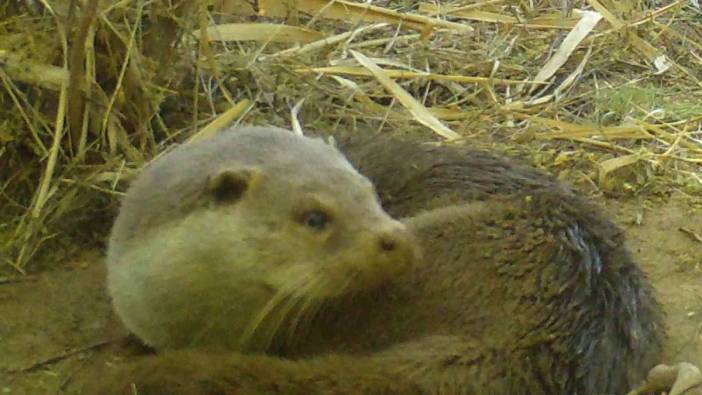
396, 240
392, 250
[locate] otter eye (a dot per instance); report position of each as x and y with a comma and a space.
316, 219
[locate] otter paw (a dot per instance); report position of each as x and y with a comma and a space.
681, 379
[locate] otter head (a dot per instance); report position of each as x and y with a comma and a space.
233, 240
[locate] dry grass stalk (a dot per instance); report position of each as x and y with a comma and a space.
320, 44
420, 113
570, 43
661, 62
261, 32
356, 12
403, 74
541, 22
223, 120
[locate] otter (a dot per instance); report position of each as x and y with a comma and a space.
497, 280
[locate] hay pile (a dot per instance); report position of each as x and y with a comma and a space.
605, 93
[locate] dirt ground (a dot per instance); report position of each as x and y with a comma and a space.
54, 324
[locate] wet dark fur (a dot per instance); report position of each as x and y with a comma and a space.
616, 322
545, 299
411, 176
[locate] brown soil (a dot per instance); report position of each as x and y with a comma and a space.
55, 323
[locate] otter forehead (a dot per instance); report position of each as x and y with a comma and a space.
173, 185
272, 150
279, 153
273, 147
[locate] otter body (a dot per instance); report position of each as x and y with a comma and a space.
582, 250
521, 287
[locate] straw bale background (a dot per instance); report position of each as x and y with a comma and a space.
604, 93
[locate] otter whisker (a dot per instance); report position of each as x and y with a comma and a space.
317, 301
309, 303
254, 325
298, 301
306, 302
284, 297
283, 312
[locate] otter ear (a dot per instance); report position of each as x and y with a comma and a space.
229, 185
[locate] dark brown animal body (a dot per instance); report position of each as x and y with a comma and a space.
597, 278
411, 176
523, 288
